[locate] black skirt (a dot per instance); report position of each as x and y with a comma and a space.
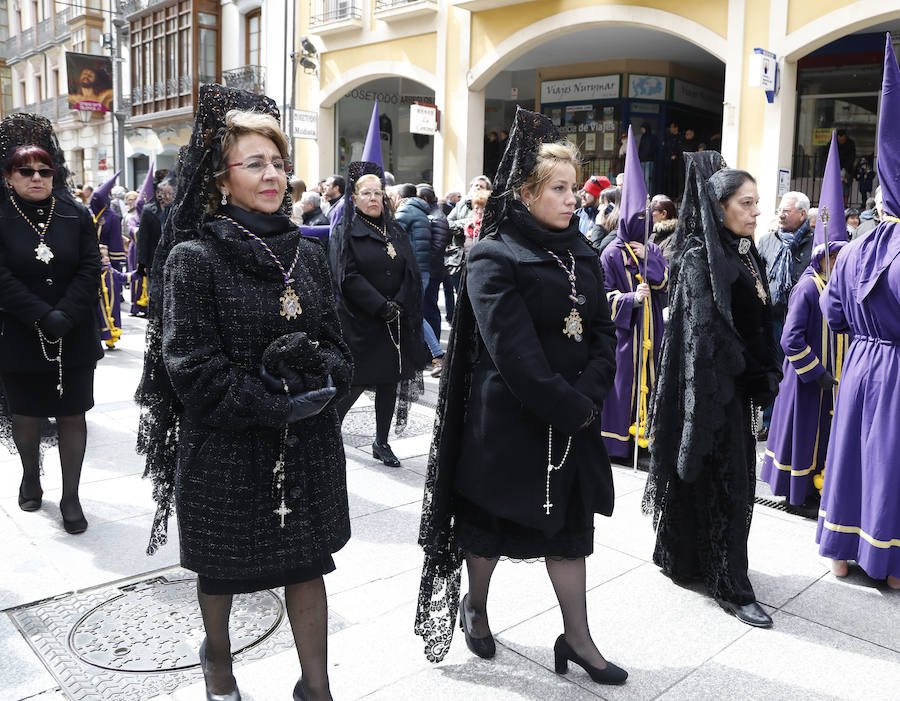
36, 393
486, 535
303, 573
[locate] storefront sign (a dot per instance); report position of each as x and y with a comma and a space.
647, 87
822, 136
306, 124
601, 87
696, 96
386, 98
423, 119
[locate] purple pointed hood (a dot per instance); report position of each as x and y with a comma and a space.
831, 201
633, 207
147, 191
878, 250
372, 149
100, 196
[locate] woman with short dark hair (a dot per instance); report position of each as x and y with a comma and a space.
49, 281
717, 370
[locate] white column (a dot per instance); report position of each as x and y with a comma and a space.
327, 141
778, 128
231, 36
731, 108
440, 99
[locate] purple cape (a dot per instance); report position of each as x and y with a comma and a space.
620, 270
801, 419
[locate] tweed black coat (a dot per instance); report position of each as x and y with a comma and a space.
222, 310
529, 376
29, 288
367, 277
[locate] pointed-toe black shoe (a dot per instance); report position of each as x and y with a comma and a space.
752, 614
485, 648
563, 654
383, 452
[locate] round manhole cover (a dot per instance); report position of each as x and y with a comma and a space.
155, 626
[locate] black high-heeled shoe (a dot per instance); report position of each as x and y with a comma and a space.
30, 503
299, 694
485, 648
563, 653
383, 452
73, 526
233, 695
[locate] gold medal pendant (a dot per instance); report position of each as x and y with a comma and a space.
391, 251
290, 304
43, 253
572, 326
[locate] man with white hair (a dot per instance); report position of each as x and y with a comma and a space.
311, 209
786, 253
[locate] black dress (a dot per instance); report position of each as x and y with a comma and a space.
222, 311
527, 377
30, 288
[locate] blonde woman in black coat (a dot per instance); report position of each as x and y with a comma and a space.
518, 468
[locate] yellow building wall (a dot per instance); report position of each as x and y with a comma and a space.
451, 119
417, 50
753, 100
801, 12
491, 27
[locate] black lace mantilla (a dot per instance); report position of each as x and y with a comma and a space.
440, 581
195, 166
701, 352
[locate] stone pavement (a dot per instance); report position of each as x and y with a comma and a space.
832, 639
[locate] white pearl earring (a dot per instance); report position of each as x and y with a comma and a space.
224, 198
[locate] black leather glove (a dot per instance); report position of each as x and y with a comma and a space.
272, 383
390, 310
767, 389
307, 404
141, 270
826, 381
55, 324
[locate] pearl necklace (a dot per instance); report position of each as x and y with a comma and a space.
388, 244
42, 252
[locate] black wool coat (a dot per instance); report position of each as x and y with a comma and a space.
29, 288
529, 376
367, 277
149, 234
221, 312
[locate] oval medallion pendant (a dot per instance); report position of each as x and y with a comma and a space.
290, 304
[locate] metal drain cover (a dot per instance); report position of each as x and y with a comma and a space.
138, 639
153, 626
359, 426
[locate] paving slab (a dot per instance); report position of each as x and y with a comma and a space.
21, 675
856, 605
797, 659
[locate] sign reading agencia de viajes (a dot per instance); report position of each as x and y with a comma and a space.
600, 87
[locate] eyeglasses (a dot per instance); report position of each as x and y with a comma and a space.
369, 194
258, 167
27, 172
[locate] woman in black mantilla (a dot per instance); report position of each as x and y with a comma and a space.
718, 368
379, 297
252, 344
517, 466
49, 280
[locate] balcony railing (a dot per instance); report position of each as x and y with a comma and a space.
329, 11
252, 78
404, 9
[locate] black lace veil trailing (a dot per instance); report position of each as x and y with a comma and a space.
23, 129
194, 181
439, 585
410, 389
701, 352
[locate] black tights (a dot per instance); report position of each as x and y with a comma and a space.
385, 402
307, 610
569, 583
72, 443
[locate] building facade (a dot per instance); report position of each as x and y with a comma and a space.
33, 78
594, 66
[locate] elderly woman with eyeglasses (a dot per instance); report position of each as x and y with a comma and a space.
253, 347
49, 277
379, 293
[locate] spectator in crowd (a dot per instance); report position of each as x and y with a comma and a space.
689, 140
852, 217
648, 150
847, 156
812, 216
412, 214
864, 177
333, 192
606, 224
786, 253
590, 200
311, 211
665, 219
870, 217
674, 178
440, 231
449, 201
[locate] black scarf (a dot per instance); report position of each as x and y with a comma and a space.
556, 240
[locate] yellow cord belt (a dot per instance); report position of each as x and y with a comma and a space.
646, 349
114, 331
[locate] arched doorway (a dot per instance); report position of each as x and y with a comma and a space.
595, 81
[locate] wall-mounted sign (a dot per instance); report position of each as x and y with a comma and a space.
696, 96
600, 87
762, 69
647, 87
90, 82
784, 181
423, 119
306, 124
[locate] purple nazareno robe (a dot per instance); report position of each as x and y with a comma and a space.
132, 219
801, 419
620, 271
109, 233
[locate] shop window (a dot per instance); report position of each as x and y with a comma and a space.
251, 38
595, 129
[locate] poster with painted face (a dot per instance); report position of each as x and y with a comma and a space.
90, 82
